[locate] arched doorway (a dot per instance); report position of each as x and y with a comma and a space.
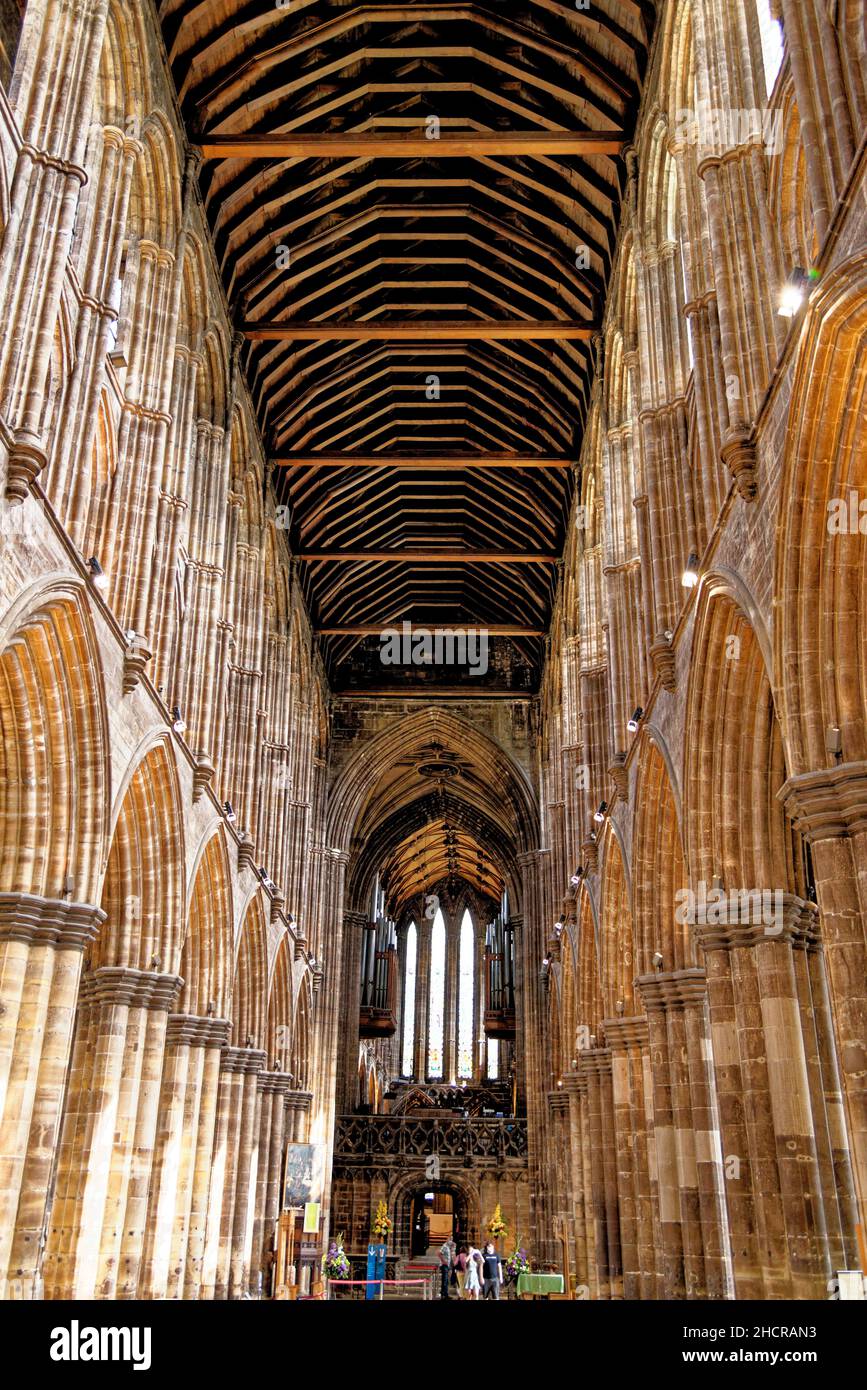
430, 1212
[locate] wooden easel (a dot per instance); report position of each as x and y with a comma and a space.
285, 1253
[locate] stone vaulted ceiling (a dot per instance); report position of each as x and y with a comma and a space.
407, 298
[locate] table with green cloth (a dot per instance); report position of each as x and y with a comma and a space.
539, 1285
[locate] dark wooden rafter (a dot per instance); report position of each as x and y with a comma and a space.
448, 145
477, 260
428, 331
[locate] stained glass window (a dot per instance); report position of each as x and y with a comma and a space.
436, 1031
409, 999
466, 993
493, 1059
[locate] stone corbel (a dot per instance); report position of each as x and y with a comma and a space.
619, 775
739, 456
25, 462
203, 774
136, 656
663, 660
246, 851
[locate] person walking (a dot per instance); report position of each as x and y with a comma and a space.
492, 1272
461, 1269
447, 1257
472, 1283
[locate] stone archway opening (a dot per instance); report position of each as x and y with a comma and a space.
432, 1211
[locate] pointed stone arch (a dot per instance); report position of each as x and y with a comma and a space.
658, 861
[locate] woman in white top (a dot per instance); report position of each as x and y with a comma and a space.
472, 1283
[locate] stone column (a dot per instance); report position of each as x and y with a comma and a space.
744, 239
354, 926
329, 1013
695, 1260
51, 98
771, 1153
207, 1161
829, 808
827, 137
532, 1023
182, 1155
604, 1236
575, 1088
41, 946
273, 1087
627, 1042
106, 1151
239, 1067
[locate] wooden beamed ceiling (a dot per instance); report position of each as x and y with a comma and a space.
414, 207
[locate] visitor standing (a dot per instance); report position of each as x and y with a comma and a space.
492, 1271
472, 1284
447, 1256
461, 1269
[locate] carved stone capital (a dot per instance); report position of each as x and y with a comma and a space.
355, 921
118, 985
575, 1085
48, 921
622, 1033
243, 1060
749, 919
273, 1082
829, 803
674, 989
194, 1030
595, 1061
558, 1101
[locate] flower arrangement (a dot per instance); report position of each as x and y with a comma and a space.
336, 1264
383, 1224
497, 1226
516, 1263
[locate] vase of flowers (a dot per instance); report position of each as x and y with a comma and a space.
497, 1227
336, 1263
382, 1224
515, 1265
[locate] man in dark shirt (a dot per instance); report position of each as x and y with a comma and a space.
492, 1272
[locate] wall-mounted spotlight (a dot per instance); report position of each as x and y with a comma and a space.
689, 578
230, 812
576, 878
97, 574
599, 813
658, 961
633, 723
178, 720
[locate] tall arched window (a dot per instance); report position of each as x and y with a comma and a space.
466, 996
493, 1059
436, 1030
409, 999
772, 43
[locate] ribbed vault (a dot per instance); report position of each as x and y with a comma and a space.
414, 240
